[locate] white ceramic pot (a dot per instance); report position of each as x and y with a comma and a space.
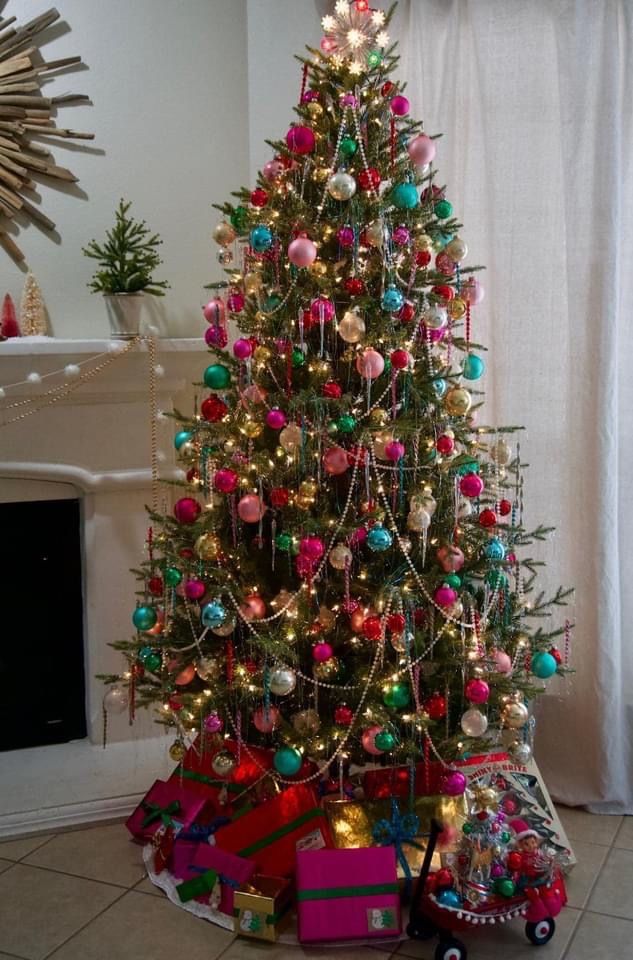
124, 313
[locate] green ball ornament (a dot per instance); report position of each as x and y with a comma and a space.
505, 837
173, 576
496, 579
217, 376
144, 618
387, 368
397, 696
474, 367
332, 429
283, 542
467, 828
505, 887
346, 423
287, 761
468, 466
374, 59
272, 302
153, 662
348, 147
385, 741
443, 209
298, 357
543, 665
239, 218
453, 580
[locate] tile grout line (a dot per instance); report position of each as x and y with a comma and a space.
584, 911
75, 876
83, 926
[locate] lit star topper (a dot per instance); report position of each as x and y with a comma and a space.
353, 33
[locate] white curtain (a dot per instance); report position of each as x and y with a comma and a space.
534, 98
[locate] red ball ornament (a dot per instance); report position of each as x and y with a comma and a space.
445, 445
155, 586
400, 359
369, 179
357, 456
444, 878
396, 623
213, 409
354, 286
186, 554
300, 140
259, 197
372, 628
192, 474
423, 258
279, 497
386, 88
332, 390
187, 510
406, 313
343, 715
175, 704
443, 291
477, 691
505, 507
514, 861
487, 518
555, 652
435, 706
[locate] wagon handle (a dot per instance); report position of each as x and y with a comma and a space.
436, 829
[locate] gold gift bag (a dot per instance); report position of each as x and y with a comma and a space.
262, 908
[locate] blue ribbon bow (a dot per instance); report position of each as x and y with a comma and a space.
199, 833
402, 828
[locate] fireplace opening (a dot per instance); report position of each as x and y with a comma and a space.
42, 647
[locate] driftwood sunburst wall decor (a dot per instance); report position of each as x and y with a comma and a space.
27, 120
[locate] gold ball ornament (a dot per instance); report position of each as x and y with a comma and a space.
381, 441
456, 308
514, 715
223, 764
375, 233
252, 429
207, 546
485, 798
303, 503
458, 402
209, 668
290, 437
457, 249
321, 174
225, 629
422, 242
308, 488
262, 354
177, 751
252, 284
327, 670
315, 110
224, 234
378, 417
306, 722
318, 268
500, 452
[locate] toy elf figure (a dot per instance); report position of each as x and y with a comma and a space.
533, 865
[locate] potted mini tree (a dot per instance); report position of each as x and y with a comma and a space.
127, 260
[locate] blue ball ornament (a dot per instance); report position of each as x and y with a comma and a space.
439, 387
260, 239
474, 367
144, 618
543, 665
404, 196
144, 653
182, 437
287, 761
392, 299
494, 549
379, 539
213, 615
449, 898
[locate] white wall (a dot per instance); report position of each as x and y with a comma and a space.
168, 81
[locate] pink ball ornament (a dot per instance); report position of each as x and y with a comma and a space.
335, 461
502, 662
305, 566
265, 719
213, 311
276, 419
242, 349
477, 691
253, 607
273, 169
302, 252
322, 307
224, 480
421, 150
312, 547
345, 236
236, 302
194, 589
212, 723
450, 559
185, 676
216, 336
445, 265
454, 783
368, 739
328, 45
300, 140
471, 485
254, 394
401, 236
187, 510
370, 364
445, 596
399, 106
322, 652
394, 451
400, 359
358, 537
496, 870
250, 508
472, 291
349, 100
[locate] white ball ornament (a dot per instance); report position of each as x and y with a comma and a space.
435, 317
341, 186
283, 680
340, 556
116, 700
290, 437
352, 327
419, 520
474, 723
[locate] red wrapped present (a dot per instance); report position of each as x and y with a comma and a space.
164, 805
272, 833
395, 781
232, 872
347, 894
163, 848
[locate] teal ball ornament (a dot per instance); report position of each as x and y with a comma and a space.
379, 539
543, 665
449, 898
182, 437
217, 376
213, 615
287, 761
346, 423
144, 653
385, 741
392, 299
474, 367
443, 209
439, 387
397, 696
404, 196
260, 239
271, 302
144, 618
494, 549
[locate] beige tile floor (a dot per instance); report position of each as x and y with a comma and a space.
83, 895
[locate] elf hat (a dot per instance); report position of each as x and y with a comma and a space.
522, 829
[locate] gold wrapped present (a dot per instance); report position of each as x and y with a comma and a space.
353, 823
262, 907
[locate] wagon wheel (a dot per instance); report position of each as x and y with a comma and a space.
451, 949
541, 932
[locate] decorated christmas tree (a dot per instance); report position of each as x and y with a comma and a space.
346, 577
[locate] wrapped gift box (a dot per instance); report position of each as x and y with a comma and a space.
262, 907
166, 804
272, 833
347, 894
395, 781
196, 772
232, 871
163, 842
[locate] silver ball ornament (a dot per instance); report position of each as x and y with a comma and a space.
225, 256
341, 186
474, 723
283, 680
419, 520
520, 751
223, 764
340, 556
514, 715
352, 327
209, 668
116, 700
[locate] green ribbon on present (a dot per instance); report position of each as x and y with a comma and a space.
197, 886
282, 831
210, 782
156, 812
339, 893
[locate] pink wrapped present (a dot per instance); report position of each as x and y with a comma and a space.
164, 805
182, 859
232, 871
349, 894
